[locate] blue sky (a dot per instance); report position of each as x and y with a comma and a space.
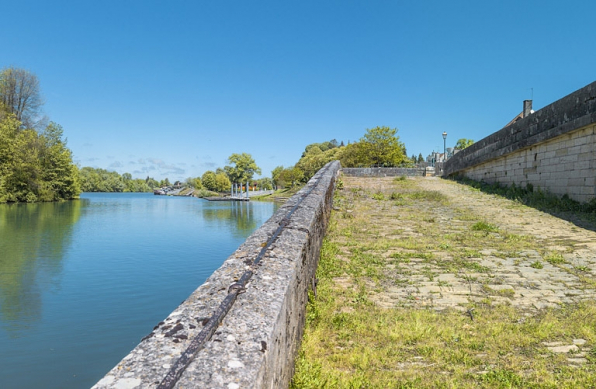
172, 88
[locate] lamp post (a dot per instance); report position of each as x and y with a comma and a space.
444, 146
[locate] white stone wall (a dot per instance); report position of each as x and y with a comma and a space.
561, 165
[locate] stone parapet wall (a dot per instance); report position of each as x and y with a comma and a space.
552, 149
257, 341
383, 172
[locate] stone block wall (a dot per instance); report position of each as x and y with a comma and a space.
257, 341
563, 165
552, 149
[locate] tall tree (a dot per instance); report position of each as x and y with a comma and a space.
243, 169
222, 182
20, 95
275, 175
381, 147
208, 180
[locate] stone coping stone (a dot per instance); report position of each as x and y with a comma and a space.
257, 341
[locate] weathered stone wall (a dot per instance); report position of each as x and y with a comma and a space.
552, 149
383, 172
255, 345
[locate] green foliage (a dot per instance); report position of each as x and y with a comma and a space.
463, 143
265, 183
314, 159
101, 180
290, 177
208, 180
197, 183
380, 146
222, 182
243, 169
534, 197
35, 166
276, 174
324, 146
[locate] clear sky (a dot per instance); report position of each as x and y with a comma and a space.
172, 88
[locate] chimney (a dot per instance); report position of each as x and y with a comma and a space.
527, 108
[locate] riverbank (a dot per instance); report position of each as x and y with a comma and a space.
428, 283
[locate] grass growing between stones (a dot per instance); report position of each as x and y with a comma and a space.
407, 303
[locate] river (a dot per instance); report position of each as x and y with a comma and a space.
81, 282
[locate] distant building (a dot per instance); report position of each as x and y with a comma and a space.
527, 111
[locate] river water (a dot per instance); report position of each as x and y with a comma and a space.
81, 282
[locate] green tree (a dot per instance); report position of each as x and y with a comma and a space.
315, 159
243, 168
208, 180
351, 156
265, 183
380, 146
222, 182
275, 175
59, 174
34, 166
291, 176
151, 182
463, 143
420, 158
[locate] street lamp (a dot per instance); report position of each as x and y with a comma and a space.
444, 146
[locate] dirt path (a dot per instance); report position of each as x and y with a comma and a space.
525, 257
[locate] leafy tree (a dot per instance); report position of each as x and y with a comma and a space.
222, 182
420, 158
291, 176
59, 174
20, 95
380, 146
463, 143
351, 156
315, 159
196, 183
243, 169
208, 180
275, 175
265, 183
151, 182
34, 166
324, 146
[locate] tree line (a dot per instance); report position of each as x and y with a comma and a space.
35, 164
380, 146
101, 180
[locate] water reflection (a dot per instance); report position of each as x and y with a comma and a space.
238, 213
32, 240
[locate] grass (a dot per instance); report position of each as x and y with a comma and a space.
539, 199
351, 341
